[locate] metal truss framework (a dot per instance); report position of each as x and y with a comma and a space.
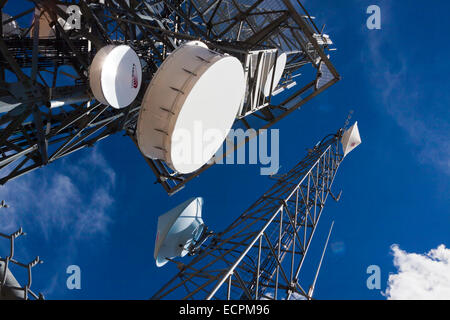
261, 254
47, 110
9, 287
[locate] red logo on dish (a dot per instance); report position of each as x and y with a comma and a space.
134, 78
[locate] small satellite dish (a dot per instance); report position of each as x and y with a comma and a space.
278, 68
190, 106
179, 230
351, 139
115, 76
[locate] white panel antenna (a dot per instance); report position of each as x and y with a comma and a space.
325, 76
263, 72
351, 139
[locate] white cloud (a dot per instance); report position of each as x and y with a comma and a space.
67, 197
420, 276
59, 206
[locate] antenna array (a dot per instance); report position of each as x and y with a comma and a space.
261, 254
55, 99
48, 111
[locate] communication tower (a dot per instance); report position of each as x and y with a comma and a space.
10, 289
261, 254
75, 72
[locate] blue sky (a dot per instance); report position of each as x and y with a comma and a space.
98, 208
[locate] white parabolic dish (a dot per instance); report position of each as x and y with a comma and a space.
190, 106
176, 228
115, 76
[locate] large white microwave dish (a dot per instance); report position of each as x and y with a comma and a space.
176, 229
115, 76
274, 76
190, 106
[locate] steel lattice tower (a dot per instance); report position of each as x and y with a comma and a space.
261, 254
10, 289
47, 110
